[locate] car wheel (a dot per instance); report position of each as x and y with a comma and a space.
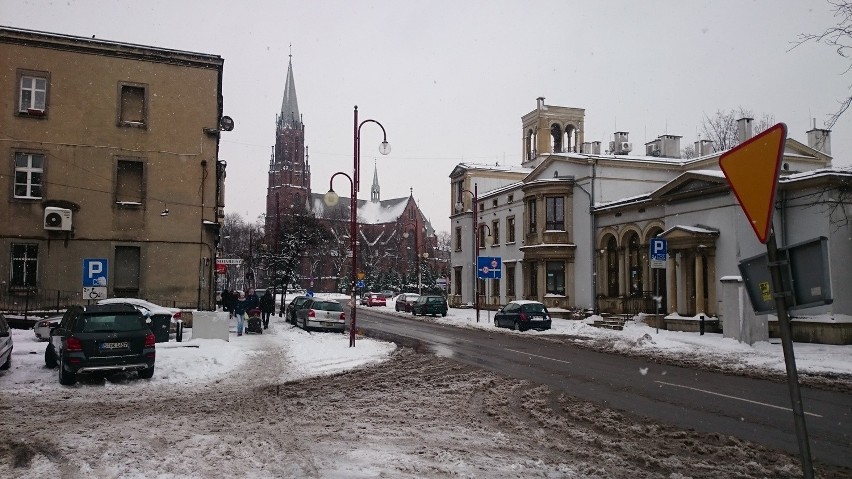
515, 326
49, 356
146, 373
444, 314
8, 363
66, 378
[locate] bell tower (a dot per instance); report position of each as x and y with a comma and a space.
289, 185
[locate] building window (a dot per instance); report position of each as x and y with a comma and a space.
510, 280
132, 105
28, 172
555, 213
612, 267
633, 260
458, 187
482, 235
510, 229
495, 288
458, 239
495, 232
494, 203
533, 280
129, 183
126, 271
411, 214
457, 281
24, 265
32, 96
481, 206
532, 215
556, 277
511, 197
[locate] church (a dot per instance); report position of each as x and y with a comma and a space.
397, 244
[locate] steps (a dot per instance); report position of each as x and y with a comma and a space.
613, 322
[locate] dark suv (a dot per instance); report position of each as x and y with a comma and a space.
429, 305
101, 338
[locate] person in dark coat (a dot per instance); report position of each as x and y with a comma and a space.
252, 299
240, 308
267, 307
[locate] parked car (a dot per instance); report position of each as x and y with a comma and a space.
42, 328
430, 304
388, 294
295, 305
101, 338
321, 315
404, 301
376, 299
365, 299
5, 344
159, 315
523, 315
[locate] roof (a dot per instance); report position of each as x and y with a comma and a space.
369, 212
290, 105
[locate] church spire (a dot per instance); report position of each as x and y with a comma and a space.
374, 190
290, 106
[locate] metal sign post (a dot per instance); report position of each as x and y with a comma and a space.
752, 170
659, 253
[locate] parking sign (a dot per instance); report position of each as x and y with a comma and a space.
95, 274
659, 252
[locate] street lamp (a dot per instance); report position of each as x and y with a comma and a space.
475, 236
332, 198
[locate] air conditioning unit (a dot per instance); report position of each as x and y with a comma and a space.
57, 219
626, 146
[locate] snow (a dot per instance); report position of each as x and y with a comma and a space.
208, 434
376, 213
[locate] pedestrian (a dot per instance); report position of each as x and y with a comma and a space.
267, 307
252, 299
239, 310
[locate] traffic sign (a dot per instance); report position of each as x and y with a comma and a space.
752, 171
359, 284
488, 267
658, 252
361, 275
95, 274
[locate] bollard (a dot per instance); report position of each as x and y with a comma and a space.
179, 331
702, 325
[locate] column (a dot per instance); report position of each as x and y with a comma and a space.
699, 284
671, 282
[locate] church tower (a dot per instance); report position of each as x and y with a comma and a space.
289, 171
374, 190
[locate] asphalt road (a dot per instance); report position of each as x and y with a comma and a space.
751, 409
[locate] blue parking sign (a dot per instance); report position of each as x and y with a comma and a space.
95, 272
488, 267
658, 252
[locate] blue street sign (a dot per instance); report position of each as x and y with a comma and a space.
488, 267
94, 273
359, 284
658, 252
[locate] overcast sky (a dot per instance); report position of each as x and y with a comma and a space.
450, 80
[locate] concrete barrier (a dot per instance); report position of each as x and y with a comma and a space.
210, 325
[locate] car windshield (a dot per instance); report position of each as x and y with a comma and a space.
109, 323
327, 306
534, 308
435, 299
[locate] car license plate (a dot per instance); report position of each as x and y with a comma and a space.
113, 346
536, 318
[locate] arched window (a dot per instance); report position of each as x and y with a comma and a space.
529, 145
633, 259
556, 138
569, 142
612, 267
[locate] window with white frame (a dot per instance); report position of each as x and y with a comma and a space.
24, 265
28, 175
32, 93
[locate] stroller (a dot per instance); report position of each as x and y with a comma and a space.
254, 323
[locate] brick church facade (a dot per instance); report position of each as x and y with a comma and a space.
396, 241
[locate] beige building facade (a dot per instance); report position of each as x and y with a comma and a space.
111, 153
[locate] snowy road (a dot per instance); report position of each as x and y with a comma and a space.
412, 415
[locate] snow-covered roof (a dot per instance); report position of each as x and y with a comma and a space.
690, 229
369, 212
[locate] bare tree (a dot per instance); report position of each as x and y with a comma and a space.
721, 128
838, 37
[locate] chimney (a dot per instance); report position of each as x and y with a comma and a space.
670, 146
539, 103
596, 148
587, 147
820, 140
705, 147
620, 145
744, 129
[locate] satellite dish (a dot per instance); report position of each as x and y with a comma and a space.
226, 123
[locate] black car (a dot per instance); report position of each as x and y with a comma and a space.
295, 305
429, 304
523, 315
104, 338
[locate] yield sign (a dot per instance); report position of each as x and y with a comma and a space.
752, 171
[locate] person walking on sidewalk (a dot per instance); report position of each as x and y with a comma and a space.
267, 307
241, 305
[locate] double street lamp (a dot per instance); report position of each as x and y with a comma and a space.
331, 199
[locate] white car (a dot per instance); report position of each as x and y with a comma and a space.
42, 328
149, 309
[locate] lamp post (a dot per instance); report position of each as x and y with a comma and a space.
331, 199
475, 235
